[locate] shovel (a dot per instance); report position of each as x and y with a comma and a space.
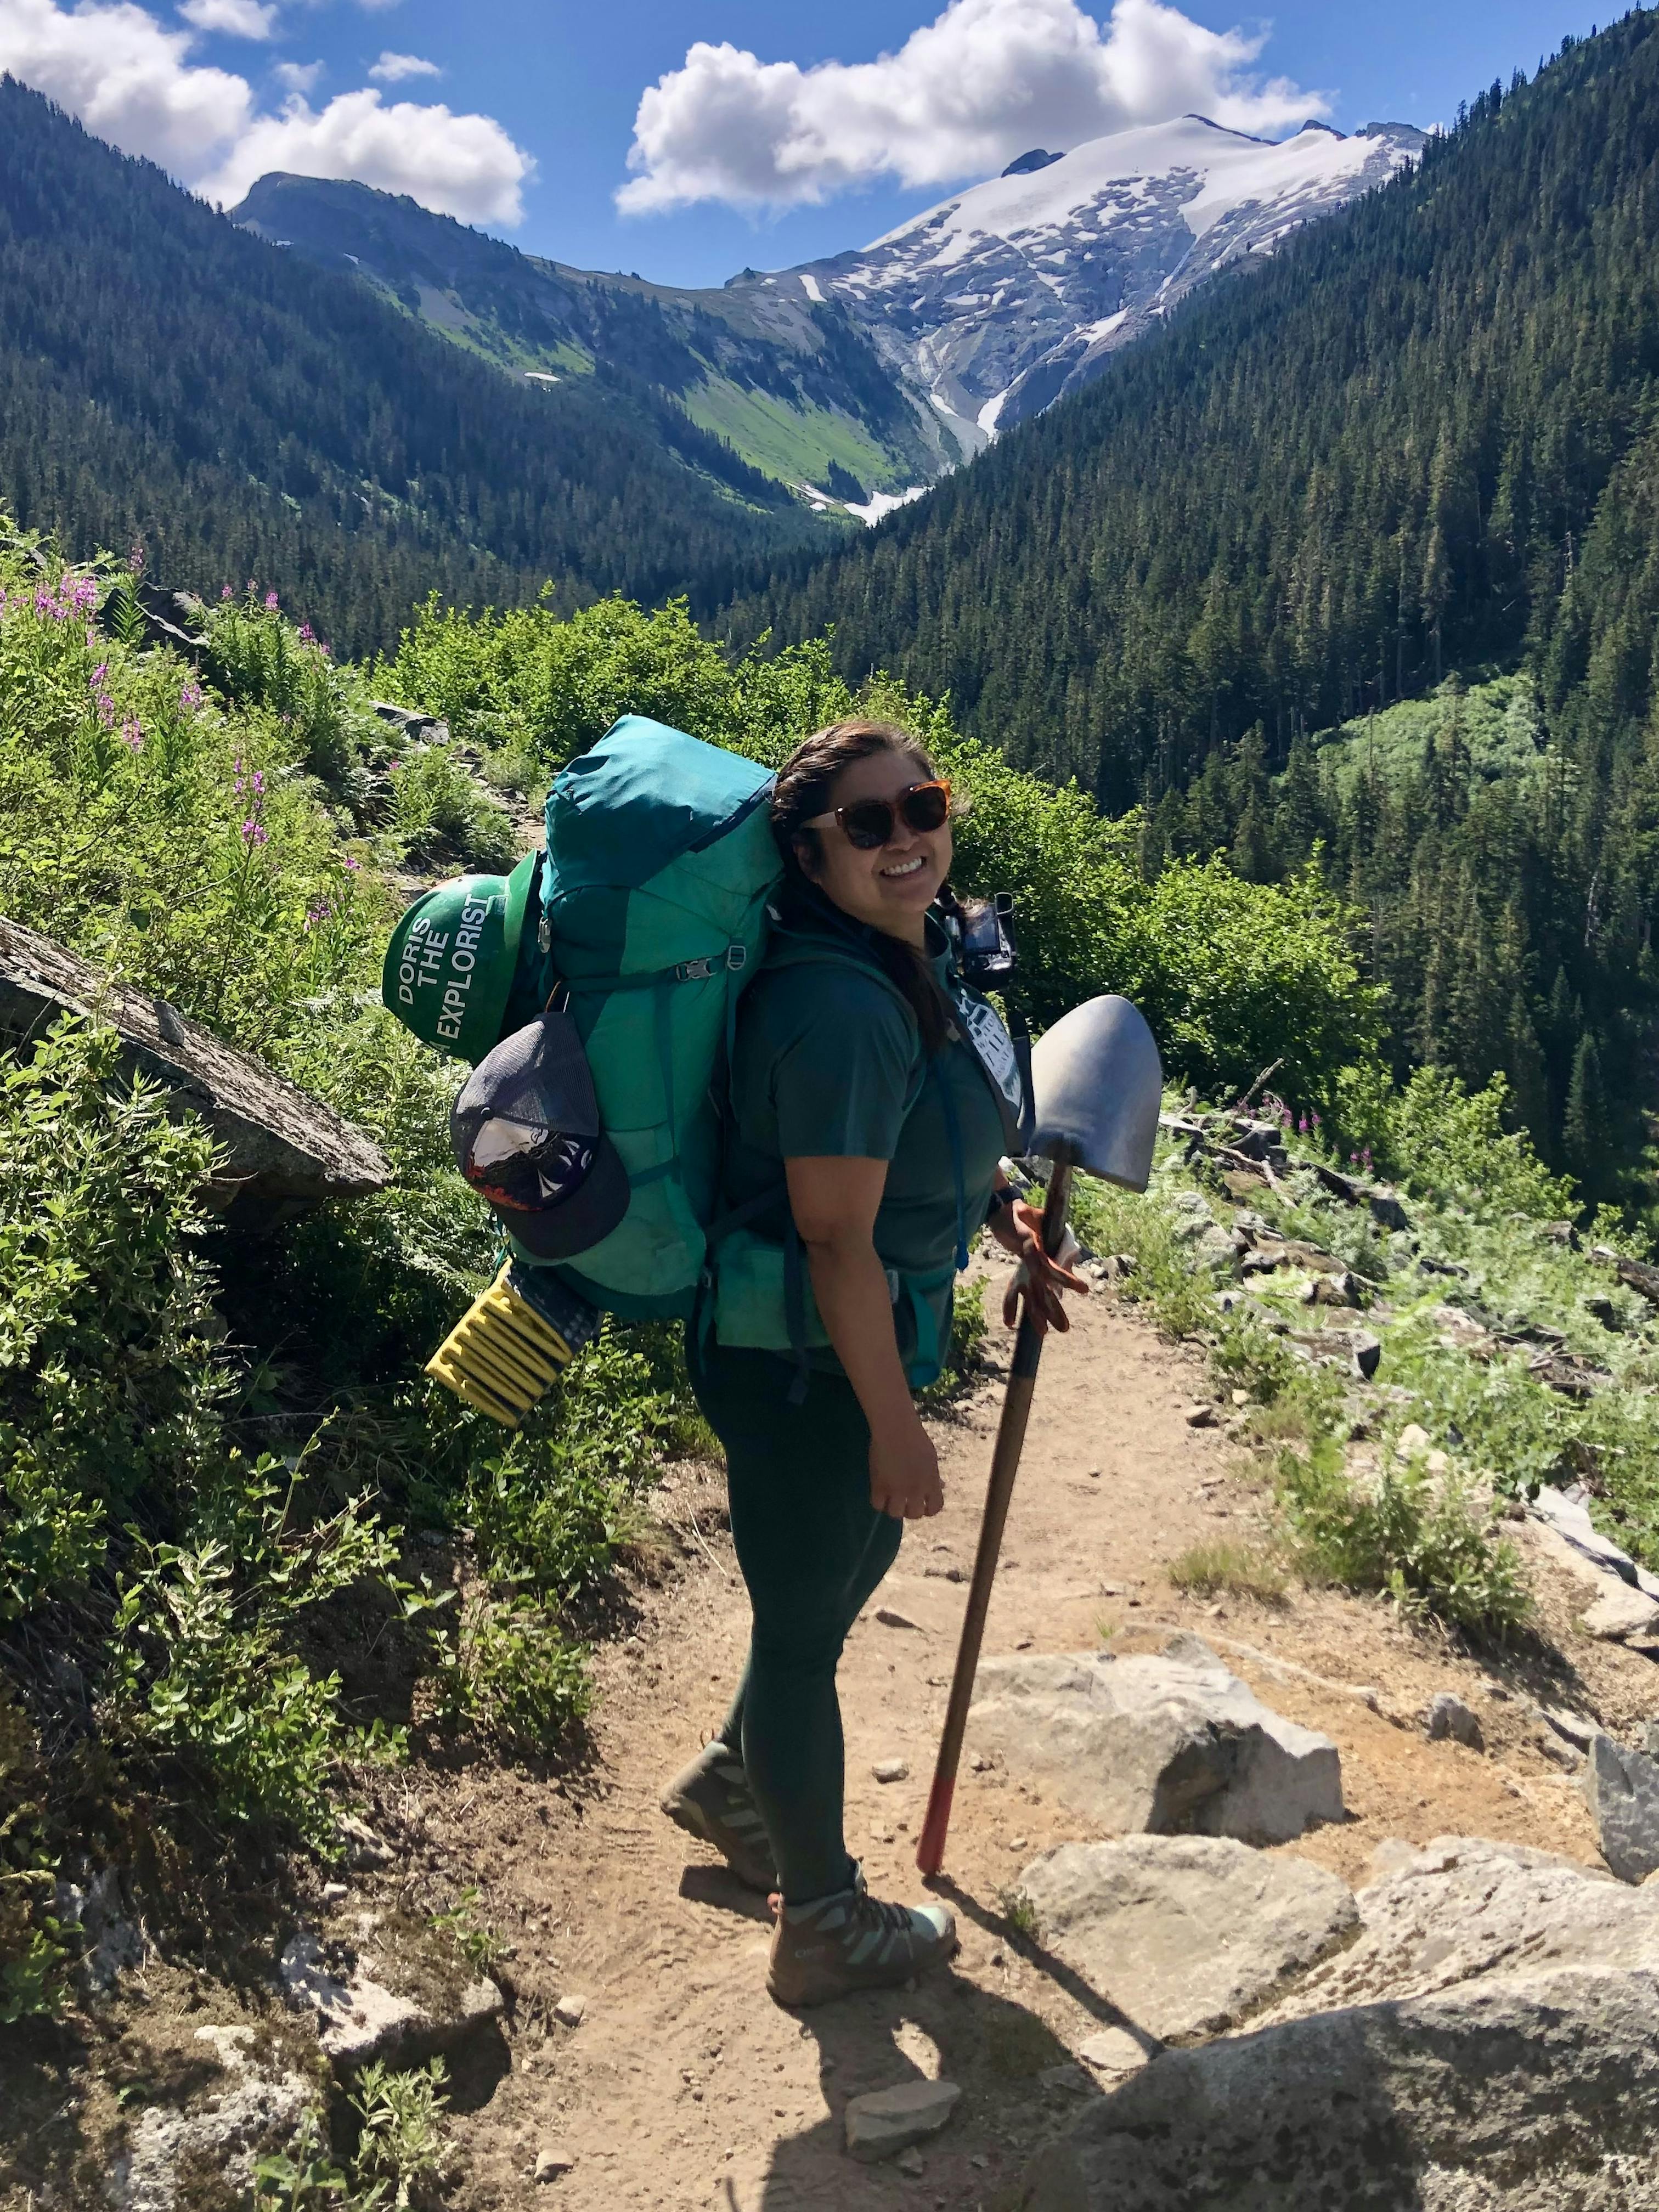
1098, 1086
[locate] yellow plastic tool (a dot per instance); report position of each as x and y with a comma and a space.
501, 1354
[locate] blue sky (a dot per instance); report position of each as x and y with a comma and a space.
522, 118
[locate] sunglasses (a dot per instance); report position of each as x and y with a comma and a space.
868, 823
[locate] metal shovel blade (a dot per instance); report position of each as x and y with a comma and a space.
1099, 1085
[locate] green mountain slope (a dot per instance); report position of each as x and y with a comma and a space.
1422, 438
167, 380
790, 386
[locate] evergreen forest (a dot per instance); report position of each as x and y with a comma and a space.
170, 383
1416, 450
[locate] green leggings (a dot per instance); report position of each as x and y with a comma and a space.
812, 1548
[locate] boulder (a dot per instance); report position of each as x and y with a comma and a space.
1448, 1719
1166, 1744
1619, 1614
1186, 1934
281, 1152
360, 2017
1532, 2095
1622, 1788
246, 2112
1463, 1908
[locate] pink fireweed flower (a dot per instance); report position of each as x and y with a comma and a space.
1302, 1126
307, 635
320, 913
271, 603
105, 707
132, 736
99, 677
254, 832
85, 596
225, 592
191, 697
351, 865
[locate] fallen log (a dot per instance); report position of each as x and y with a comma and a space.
281, 1152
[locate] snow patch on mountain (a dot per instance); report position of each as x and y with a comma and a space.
992, 303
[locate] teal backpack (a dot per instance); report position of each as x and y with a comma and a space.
660, 862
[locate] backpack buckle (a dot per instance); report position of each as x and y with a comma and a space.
695, 971
736, 958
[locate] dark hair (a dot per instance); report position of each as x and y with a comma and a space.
803, 789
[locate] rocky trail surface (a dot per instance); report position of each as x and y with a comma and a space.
634, 2059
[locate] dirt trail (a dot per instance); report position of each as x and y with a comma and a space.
683, 2085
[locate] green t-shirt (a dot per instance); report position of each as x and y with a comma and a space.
828, 1064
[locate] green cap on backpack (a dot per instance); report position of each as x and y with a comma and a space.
450, 966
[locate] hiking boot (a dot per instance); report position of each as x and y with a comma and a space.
711, 1799
851, 1941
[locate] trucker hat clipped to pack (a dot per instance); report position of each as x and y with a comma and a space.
451, 963
527, 1137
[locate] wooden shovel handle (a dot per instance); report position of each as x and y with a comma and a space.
1004, 1465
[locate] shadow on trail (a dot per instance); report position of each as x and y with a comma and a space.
1021, 2085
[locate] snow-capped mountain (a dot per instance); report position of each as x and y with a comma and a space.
992, 303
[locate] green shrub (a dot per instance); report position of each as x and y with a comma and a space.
506, 1671
1408, 1533
443, 817
1219, 1566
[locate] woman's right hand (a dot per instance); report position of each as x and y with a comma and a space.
904, 1478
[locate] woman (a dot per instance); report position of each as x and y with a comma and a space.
869, 1113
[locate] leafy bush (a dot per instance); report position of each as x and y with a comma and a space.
507, 1670
444, 818
1413, 1536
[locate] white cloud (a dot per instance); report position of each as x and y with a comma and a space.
460, 165
126, 77
236, 19
301, 77
131, 79
392, 68
962, 97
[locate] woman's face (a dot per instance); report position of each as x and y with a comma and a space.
892, 888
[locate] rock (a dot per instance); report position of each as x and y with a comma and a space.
891, 1770
890, 1618
281, 1152
1464, 1909
1201, 1417
1533, 2095
888, 2120
1570, 1518
360, 2018
1166, 1744
911, 2164
112, 1943
1184, 1935
335, 1892
1448, 1719
1622, 1789
169, 2148
363, 1849
569, 2010
553, 2160
1412, 1442
1619, 1614
1576, 1729
1114, 2052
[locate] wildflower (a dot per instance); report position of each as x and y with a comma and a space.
132, 736
307, 635
85, 596
136, 561
99, 677
256, 783
105, 707
351, 865
225, 592
254, 832
191, 697
271, 603
1302, 1126
1315, 1122
318, 913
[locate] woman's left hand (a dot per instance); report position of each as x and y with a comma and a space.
1040, 1282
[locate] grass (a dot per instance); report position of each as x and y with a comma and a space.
1019, 1915
1218, 1566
